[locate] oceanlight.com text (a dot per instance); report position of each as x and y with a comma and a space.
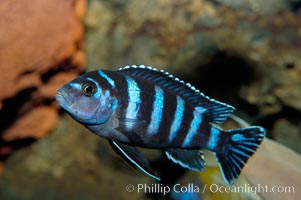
252, 189
213, 188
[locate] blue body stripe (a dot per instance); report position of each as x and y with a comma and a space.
76, 85
134, 100
194, 126
105, 76
213, 138
178, 118
157, 111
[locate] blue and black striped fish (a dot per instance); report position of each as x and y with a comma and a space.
141, 106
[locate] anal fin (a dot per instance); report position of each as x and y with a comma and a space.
189, 159
134, 157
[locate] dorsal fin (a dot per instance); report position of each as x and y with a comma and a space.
215, 110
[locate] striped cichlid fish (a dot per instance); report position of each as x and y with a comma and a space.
142, 106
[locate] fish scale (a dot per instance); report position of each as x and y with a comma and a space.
145, 107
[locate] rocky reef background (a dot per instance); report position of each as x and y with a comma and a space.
246, 53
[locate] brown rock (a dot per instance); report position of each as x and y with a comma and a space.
35, 37
41, 49
38, 121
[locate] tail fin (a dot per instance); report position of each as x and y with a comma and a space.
242, 144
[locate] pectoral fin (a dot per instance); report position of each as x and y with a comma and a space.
190, 159
134, 157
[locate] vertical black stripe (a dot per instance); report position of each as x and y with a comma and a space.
169, 108
120, 91
147, 99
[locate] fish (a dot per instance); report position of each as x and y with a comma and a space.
141, 106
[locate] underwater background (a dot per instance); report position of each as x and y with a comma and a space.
246, 53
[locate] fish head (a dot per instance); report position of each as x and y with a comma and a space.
87, 101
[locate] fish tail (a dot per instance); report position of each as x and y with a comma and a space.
242, 144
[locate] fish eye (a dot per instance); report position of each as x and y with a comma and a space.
89, 89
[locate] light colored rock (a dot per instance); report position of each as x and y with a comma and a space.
275, 167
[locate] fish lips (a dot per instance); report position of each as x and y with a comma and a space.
62, 98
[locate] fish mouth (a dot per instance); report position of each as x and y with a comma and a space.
62, 98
